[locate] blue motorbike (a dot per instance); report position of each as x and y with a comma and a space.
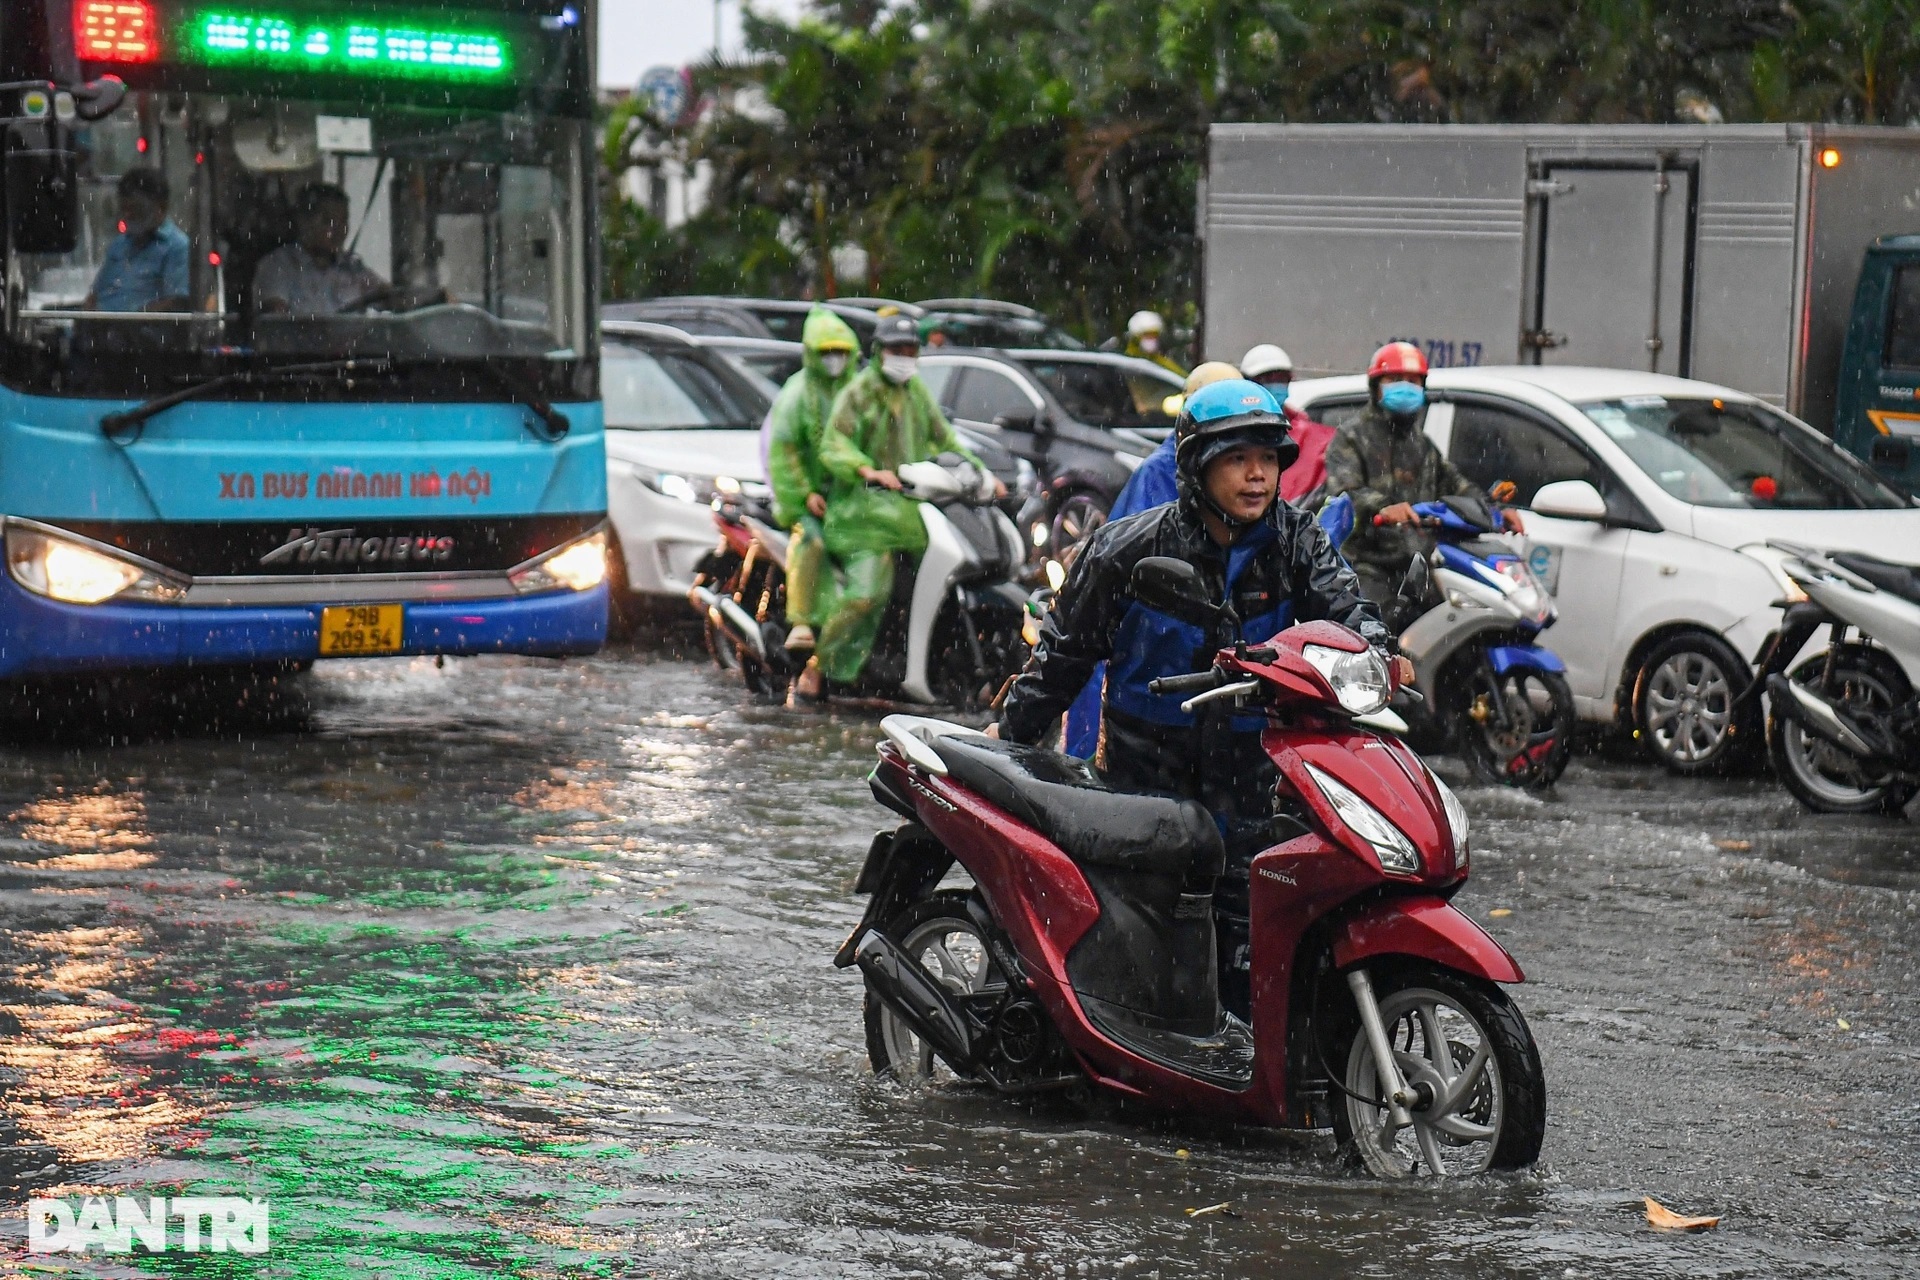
1469, 614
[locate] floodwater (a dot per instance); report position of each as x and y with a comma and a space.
517, 968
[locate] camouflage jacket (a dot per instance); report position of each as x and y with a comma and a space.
1377, 465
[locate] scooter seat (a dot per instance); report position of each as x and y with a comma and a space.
1902, 580
1067, 800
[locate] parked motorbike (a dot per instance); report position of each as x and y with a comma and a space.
1469, 615
1843, 727
952, 632
1084, 955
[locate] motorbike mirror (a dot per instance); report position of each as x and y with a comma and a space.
1175, 588
1570, 500
1419, 580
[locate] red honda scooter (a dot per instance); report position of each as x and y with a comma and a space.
1085, 950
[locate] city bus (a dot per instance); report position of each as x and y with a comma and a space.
298, 354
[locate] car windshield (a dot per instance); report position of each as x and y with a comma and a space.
236, 225
1108, 395
1719, 453
970, 329
652, 390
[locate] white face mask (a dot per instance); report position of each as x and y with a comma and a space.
898, 368
1149, 342
833, 362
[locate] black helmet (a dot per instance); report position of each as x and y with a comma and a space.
896, 330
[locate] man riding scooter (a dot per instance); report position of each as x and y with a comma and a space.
799, 484
1270, 560
882, 420
1383, 461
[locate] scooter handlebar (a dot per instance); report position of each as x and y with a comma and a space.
1196, 682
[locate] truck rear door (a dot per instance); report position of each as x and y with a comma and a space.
1615, 264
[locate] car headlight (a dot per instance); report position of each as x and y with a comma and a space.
1389, 843
1359, 680
77, 571
1456, 820
1525, 590
580, 565
1775, 561
687, 487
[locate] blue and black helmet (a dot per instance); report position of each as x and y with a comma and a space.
1227, 415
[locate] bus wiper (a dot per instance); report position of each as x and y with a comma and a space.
525, 394
130, 422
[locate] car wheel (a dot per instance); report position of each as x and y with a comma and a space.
1075, 516
1683, 705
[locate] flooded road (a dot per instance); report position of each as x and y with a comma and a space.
514, 968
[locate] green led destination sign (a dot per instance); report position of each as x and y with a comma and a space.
346, 47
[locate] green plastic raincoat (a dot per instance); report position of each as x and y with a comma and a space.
878, 424
798, 418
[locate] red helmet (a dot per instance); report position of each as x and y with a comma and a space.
1398, 359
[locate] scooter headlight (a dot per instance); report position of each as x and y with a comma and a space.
1389, 843
1456, 820
1525, 591
1359, 680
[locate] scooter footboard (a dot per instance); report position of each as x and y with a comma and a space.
1426, 928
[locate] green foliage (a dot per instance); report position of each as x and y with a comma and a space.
1047, 151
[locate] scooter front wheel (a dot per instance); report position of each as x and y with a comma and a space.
1466, 1050
1515, 728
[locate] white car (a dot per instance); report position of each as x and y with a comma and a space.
683, 427
1650, 502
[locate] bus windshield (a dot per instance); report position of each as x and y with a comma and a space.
314, 182
243, 225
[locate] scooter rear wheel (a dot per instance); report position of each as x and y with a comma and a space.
937, 932
1467, 1044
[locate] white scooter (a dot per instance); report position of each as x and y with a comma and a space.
1844, 725
952, 633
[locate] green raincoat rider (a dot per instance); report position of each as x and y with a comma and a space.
798, 418
885, 419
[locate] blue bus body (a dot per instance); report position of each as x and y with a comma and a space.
266, 474
420, 470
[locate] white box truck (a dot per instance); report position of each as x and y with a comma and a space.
1731, 253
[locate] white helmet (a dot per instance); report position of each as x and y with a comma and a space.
1265, 358
1145, 322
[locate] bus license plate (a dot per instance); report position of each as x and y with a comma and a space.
350, 629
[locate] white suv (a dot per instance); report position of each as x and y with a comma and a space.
1651, 499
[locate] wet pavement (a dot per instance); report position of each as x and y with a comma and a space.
518, 968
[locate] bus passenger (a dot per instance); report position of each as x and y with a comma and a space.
316, 275
145, 268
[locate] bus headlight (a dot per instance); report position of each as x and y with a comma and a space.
580, 565
76, 571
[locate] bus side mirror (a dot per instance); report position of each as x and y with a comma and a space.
98, 99
42, 193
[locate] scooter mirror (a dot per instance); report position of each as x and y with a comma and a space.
1175, 588
1419, 580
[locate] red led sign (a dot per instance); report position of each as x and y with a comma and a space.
114, 31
